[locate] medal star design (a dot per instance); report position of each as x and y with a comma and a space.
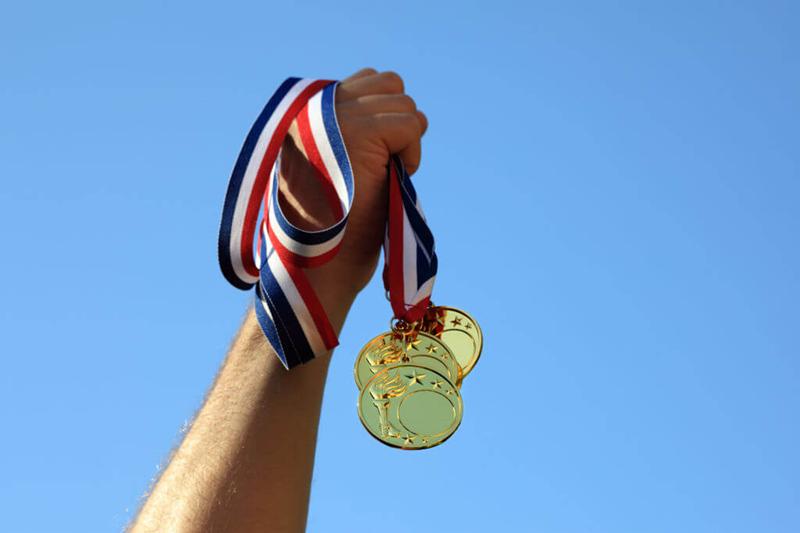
408, 439
468, 325
415, 378
412, 344
437, 384
456, 321
431, 348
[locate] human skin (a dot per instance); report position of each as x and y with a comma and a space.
246, 462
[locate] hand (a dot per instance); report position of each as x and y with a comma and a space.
377, 119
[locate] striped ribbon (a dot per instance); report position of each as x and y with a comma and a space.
288, 310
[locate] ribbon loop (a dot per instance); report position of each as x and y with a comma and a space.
287, 308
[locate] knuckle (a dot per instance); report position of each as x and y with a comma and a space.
407, 103
410, 127
393, 80
413, 121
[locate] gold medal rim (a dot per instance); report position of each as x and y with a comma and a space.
457, 425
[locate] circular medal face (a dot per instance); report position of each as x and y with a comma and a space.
410, 407
459, 331
421, 350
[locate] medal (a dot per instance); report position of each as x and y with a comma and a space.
410, 407
459, 331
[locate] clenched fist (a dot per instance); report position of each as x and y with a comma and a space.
377, 119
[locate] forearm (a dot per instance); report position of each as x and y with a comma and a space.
246, 463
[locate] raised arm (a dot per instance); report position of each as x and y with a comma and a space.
246, 463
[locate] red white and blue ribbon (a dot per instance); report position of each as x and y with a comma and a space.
288, 310
410, 261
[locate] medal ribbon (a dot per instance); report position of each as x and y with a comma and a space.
288, 310
410, 261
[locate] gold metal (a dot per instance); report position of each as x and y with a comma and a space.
409, 406
417, 348
459, 331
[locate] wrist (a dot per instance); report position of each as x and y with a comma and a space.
336, 293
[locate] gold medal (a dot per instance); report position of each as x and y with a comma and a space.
459, 331
414, 348
409, 406
409, 378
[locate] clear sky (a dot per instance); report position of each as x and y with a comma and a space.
614, 189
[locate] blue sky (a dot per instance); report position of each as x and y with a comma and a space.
614, 189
